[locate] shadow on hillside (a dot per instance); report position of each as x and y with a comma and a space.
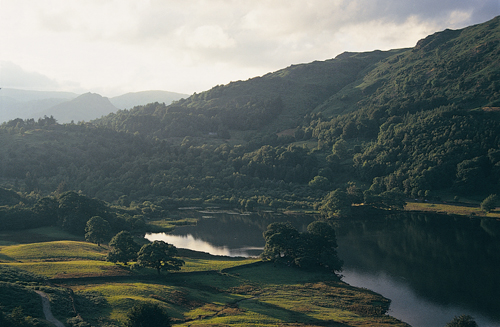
285, 315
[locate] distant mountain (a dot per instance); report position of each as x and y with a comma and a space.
132, 99
86, 107
24, 104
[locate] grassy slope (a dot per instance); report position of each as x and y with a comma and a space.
205, 292
453, 209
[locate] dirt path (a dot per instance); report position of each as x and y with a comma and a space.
46, 310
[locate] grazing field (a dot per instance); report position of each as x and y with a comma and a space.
53, 251
42, 234
208, 291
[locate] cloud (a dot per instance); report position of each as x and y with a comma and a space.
196, 44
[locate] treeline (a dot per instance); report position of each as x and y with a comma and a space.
194, 118
70, 211
111, 165
447, 148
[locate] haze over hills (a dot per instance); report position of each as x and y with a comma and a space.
132, 99
65, 106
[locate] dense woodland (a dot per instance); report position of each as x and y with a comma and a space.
367, 128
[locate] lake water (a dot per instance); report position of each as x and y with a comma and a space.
432, 267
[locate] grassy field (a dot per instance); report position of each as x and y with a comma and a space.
208, 291
43, 234
454, 209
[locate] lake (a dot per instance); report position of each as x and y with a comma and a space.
433, 267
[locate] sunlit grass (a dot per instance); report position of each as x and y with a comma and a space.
166, 225
54, 251
72, 269
205, 292
216, 264
450, 209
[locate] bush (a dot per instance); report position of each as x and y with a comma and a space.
489, 203
462, 321
146, 315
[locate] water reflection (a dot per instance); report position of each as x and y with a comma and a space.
447, 262
409, 306
189, 242
432, 267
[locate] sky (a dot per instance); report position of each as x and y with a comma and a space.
112, 47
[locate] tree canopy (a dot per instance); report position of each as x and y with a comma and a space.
308, 250
97, 230
147, 315
123, 248
160, 256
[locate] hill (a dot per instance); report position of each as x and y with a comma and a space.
420, 122
24, 104
132, 99
85, 107
15, 103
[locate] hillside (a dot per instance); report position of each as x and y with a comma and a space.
24, 104
132, 99
421, 122
85, 107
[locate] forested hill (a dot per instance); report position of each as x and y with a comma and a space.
420, 122
450, 67
270, 103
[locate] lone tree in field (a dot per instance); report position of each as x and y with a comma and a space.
160, 256
147, 315
489, 203
97, 230
123, 248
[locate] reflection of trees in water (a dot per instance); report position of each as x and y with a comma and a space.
237, 230
444, 258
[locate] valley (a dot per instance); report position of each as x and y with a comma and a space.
347, 141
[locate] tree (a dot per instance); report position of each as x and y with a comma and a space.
147, 315
319, 183
97, 230
160, 256
75, 210
489, 203
316, 247
281, 241
319, 246
336, 203
462, 321
124, 249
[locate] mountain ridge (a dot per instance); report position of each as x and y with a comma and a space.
24, 104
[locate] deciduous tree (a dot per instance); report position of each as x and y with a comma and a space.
281, 241
489, 203
124, 248
97, 230
160, 256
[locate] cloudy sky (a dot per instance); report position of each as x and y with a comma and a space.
116, 46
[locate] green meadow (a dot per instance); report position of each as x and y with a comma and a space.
207, 291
